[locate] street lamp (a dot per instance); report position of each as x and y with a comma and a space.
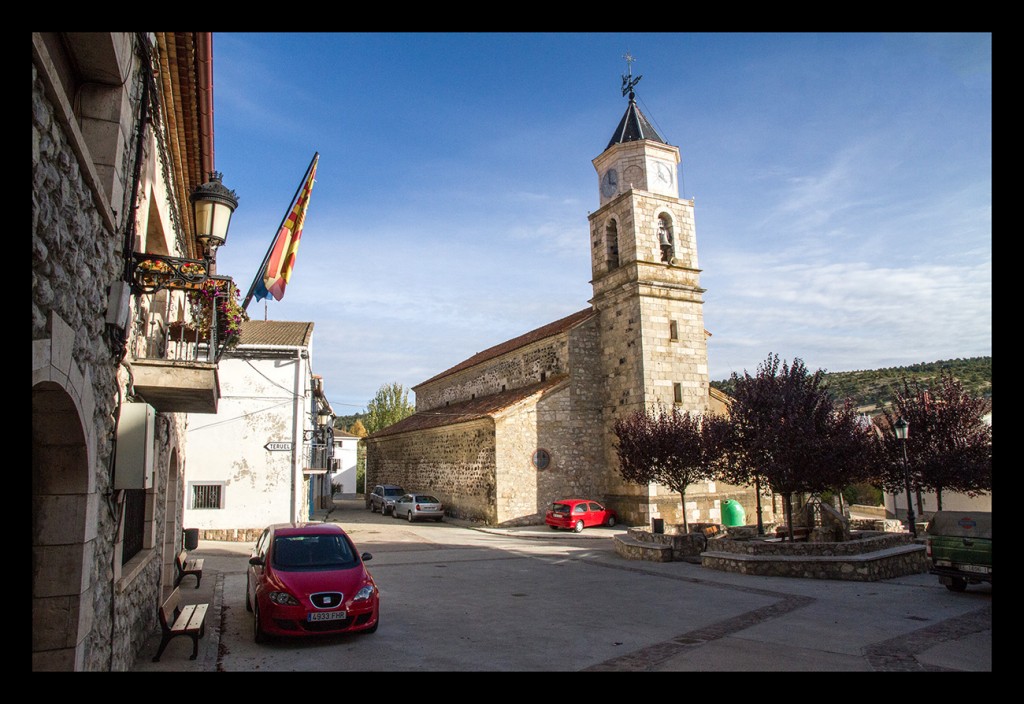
902, 428
212, 206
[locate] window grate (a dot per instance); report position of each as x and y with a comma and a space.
134, 523
207, 496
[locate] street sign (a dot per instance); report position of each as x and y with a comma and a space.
277, 446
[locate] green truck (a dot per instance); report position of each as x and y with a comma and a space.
959, 545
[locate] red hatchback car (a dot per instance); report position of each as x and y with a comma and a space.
308, 579
577, 514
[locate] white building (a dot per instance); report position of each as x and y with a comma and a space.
261, 458
343, 464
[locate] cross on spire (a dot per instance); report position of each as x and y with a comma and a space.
628, 81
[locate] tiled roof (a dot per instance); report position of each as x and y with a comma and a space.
276, 332
559, 326
465, 411
634, 126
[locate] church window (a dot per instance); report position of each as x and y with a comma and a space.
611, 235
673, 330
677, 390
665, 239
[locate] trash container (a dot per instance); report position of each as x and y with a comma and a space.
733, 513
657, 525
191, 538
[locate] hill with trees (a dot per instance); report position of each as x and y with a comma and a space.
873, 389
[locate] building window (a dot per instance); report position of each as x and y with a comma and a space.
665, 239
673, 330
677, 391
611, 236
134, 523
207, 496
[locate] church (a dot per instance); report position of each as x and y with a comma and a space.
502, 434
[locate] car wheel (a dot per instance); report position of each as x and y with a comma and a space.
610, 522
957, 585
248, 604
409, 515
579, 526
553, 527
258, 635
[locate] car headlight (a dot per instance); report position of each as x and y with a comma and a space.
283, 598
364, 593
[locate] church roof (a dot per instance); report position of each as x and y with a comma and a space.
559, 326
276, 332
473, 409
634, 126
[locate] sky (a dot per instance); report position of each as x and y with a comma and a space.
842, 188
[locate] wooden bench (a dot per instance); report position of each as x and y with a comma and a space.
186, 567
177, 620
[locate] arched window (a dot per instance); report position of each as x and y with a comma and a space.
665, 238
611, 237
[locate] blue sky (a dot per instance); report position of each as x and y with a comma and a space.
842, 187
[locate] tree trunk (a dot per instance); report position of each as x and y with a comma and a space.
938, 498
789, 516
682, 498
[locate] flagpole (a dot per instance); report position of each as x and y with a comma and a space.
273, 241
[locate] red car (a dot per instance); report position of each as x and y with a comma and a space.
577, 514
308, 579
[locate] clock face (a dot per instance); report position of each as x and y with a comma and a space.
610, 183
664, 173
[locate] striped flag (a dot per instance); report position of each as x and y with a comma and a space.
281, 261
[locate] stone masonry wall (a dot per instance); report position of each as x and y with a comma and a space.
456, 463
514, 370
76, 254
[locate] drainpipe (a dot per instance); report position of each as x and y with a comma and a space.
297, 446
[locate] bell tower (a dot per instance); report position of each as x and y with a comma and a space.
646, 281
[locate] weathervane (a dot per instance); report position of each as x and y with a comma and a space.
628, 81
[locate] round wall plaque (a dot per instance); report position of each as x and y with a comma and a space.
541, 458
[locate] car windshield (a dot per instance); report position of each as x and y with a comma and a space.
559, 508
426, 499
312, 552
396, 491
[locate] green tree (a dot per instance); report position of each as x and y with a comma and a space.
390, 405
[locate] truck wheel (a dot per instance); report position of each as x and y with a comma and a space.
957, 585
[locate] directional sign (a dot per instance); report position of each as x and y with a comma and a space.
277, 446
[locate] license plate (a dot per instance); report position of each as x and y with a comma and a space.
975, 568
327, 616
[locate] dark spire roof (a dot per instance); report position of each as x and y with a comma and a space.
634, 126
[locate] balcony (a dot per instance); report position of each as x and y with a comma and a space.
173, 363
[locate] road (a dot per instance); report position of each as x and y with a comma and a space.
458, 598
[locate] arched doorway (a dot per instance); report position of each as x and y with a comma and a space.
62, 501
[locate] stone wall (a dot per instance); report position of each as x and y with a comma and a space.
80, 201
514, 370
456, 463
864, 560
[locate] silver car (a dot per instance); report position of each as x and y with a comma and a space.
417, 506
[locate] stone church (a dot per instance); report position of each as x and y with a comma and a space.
504, 433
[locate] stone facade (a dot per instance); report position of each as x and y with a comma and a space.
92, 165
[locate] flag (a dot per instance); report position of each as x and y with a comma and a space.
281, 261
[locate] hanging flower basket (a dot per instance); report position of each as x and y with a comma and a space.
221, 296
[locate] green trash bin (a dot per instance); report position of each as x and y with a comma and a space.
733, 513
